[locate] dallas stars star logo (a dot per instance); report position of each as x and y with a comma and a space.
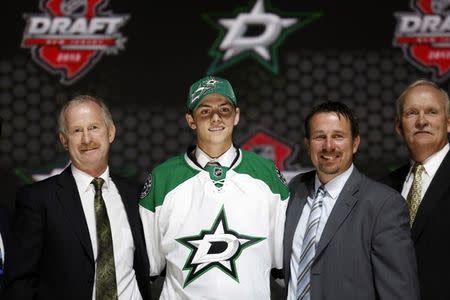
218, 247
235, 46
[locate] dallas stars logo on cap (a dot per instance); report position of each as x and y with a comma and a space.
209, 85
204, 87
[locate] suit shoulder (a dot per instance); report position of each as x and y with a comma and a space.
378, 191
42, 185
394, 176
127, 181
302, 178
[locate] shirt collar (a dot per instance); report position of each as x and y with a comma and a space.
432, 163
225, 159
334, 187
83, 180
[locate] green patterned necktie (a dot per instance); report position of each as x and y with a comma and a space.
415, 192
106, 286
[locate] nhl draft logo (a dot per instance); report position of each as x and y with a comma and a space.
71, 36
239, 42
424, 36
269, 146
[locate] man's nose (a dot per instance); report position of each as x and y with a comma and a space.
86, 137
215, 116
422, 120
328, 144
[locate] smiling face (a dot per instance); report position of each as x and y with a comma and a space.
330, 144
213, 121
424, 121
87, 137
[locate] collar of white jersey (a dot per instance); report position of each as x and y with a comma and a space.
225, 160
191, 159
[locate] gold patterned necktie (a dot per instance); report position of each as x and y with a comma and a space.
105, 276
415, 192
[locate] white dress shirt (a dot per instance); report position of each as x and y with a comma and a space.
430, 165
123, 243
332, 190
224, 160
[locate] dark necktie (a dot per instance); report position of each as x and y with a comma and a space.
106, 286
415, 192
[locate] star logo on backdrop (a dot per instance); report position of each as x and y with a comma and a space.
218, 247
236, 45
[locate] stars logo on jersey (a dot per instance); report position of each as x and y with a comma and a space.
280, 176
238, 44
218, 247
147, 187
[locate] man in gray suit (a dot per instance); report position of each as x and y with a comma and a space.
346, 236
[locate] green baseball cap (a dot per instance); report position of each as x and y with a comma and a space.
209, 85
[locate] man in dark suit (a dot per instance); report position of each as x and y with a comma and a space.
10, 181
346, 236
4, 241
423, 121
10, 184
78, 234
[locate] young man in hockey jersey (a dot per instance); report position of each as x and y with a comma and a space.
214, 216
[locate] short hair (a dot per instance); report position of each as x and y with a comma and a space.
337, 107
401, 99
83, 99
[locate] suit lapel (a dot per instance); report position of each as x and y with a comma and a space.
400, 177
343, 206
299, 190
70, 200
433, 195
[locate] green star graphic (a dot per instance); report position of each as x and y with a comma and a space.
234, 46
218, 247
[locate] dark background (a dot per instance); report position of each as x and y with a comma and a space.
345, 55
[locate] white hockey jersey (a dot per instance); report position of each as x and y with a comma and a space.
218, 233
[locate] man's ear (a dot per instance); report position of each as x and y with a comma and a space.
398, 127
190, 121
63, 140
306, 142
237, 116
356, 142
111, 133
448, 125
